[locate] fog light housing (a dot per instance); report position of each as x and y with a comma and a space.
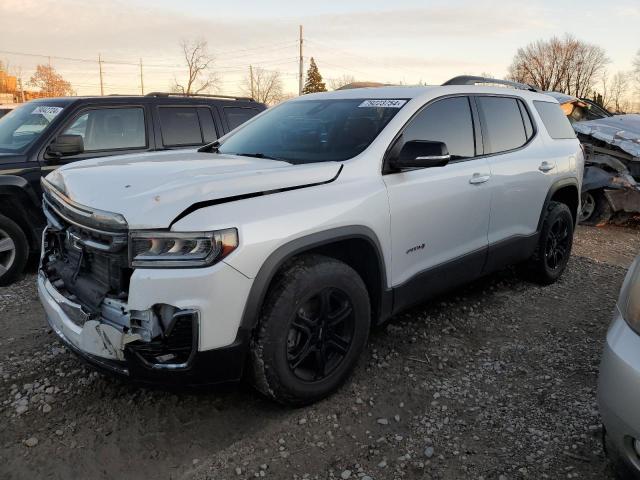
636, 446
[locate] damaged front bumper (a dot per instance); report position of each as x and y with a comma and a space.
100, 343
116, 352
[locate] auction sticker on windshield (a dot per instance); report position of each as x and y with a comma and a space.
47, 112
383, 103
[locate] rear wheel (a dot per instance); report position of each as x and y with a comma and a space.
596, 209
552, 253
313, 327
14, 250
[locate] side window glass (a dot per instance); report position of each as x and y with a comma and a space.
502, 124
79, 126
236, 116
449, 121
528, 125
209, 133
180, 126
110, 129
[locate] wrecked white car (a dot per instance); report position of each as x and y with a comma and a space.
612, 168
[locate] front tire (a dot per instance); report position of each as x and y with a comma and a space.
552, 253
313, 327
14, 250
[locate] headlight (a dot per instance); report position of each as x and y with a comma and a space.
629, 301
177, 249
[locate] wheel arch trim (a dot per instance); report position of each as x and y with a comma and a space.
9, 183
555, 187
276, 259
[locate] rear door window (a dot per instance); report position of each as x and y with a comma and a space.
556, 123
110, 129
503, 128
180, 126
236, 116
449, 121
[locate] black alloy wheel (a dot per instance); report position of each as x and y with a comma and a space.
320, 335
558, 242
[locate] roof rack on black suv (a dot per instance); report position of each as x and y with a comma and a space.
42, 135
473, 80
201, 95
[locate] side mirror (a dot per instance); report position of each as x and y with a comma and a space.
421, 154
66, 145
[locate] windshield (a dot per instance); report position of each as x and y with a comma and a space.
22, 126
313, 130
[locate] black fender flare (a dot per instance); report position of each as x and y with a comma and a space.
557, 185
276, 259
26, 206
11, 183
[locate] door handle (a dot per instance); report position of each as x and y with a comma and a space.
547, 166
479, 178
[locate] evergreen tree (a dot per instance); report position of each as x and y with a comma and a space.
314, 81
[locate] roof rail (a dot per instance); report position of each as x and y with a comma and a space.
205, 95
471, 80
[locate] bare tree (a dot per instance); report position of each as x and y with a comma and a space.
560, 64
199, 63
265, 86
336, 83
50, 83
617, 91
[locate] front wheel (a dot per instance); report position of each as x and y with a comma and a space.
552, 253
313, 327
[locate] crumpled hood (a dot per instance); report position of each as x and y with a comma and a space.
622, 131
150, 190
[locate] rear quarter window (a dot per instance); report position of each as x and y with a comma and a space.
554, 120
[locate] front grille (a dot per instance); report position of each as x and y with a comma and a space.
85, 263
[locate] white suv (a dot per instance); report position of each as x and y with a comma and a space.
273, 251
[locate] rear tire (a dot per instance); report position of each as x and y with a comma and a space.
552, 253
313, 327
596, 209
14, 250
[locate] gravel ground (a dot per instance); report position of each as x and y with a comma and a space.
494, 381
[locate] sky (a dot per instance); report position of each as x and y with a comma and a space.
405, 41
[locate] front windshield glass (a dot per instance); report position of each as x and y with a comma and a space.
22, 126
314, 130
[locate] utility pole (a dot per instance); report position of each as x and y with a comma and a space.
301, 65
253, 96
141, 79
100, 66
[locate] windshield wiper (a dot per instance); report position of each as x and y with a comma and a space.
210, 147
260, 155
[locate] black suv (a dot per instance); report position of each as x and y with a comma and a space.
43, 134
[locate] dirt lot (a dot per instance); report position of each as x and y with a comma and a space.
495, 381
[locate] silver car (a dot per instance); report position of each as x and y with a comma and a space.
619, 384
